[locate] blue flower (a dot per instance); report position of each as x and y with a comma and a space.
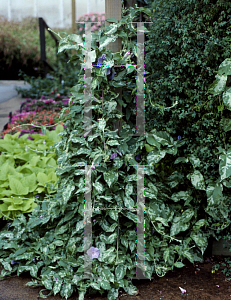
93, 252
100, 60
13, 262
138, 156
9, 224
112, 72
37, 196
179, 137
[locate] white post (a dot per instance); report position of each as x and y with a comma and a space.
9, 10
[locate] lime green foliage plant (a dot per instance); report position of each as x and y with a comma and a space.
27, 168
177, 227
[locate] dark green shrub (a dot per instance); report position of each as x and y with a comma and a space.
187, 42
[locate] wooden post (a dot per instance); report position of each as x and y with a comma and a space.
73, 17
113, 9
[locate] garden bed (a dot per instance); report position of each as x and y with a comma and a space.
198, 281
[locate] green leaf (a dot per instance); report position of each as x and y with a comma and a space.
95, 285
225, 165
17, 187
195, 161
197, 180
214, 193
128, 202
102, 124
128, 189
106, 40
105, 285
178, 264
113, 214
181, 159
120, 272
66, 290
155, 156
225, 67
111, 29
218, 86
162, 220
118, 83
110, 177
124, 241
189, 256
131, 290
166, 255
227, 98
113, 294
152, 141
130, 68
112, 20
148, 147
57, 286
181, 195
112, 143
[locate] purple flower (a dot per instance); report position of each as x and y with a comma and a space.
93, 252
119, 152
36, 196
100, 60
9, 224
56, 279
179, 137
112, 72
94, 220
33, 259
13, 262
138, 156
113, 155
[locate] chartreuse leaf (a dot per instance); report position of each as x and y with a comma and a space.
17, 187
148, 147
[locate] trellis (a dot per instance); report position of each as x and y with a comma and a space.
113, 9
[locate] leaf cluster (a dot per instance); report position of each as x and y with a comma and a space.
94, 159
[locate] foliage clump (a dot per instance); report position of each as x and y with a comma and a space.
187, 42
52, 244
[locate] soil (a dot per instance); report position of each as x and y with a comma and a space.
202, 285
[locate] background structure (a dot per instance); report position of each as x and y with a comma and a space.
56, 13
